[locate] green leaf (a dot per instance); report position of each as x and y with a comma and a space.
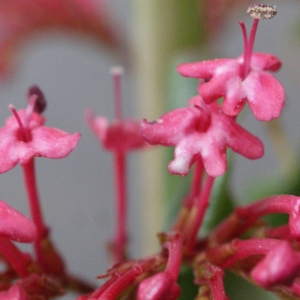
189, 290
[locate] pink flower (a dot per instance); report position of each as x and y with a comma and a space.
36, 140
121, 135
201, 131
225, 78
15, 226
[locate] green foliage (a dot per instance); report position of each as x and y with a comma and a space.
186, 281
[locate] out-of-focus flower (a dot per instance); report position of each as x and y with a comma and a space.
201, 132
20, 20
120, 135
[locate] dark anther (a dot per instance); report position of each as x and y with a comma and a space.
40, 104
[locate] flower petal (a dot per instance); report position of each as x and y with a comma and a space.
204, 69
8, 159
16, 226
171, 127
265, 61
124, 135
243, 142
265, 95
52, 142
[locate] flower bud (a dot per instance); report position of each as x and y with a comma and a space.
279, 266
158, 287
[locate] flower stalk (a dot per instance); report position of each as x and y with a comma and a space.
35, 208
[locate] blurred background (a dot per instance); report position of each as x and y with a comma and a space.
151, 38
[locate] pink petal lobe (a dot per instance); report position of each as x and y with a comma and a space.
99, 125
51, 143
234, 98
243, 142
171, 127
214, 160
203, 69
265, 61
121, 135
265, 95
186, 151
8, 159
16, 226
214, 88
124, 135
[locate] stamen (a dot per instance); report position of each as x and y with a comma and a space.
40, 104
261, 11
29, 110
258, 12
249, 46
24, 136
245, 37
117, 72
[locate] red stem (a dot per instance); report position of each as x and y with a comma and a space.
188, 201
14, 256
175, 246
121, 206
217, 286
34, 205
197, 178
201, 206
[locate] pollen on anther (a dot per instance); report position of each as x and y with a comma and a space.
261, 11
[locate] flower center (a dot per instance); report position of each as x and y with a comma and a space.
204, 121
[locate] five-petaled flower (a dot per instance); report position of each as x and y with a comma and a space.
41, 141
201, 131
226, 78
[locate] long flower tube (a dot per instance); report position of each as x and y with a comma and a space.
196, 216
244, 217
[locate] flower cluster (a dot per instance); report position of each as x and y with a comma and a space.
201, 132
